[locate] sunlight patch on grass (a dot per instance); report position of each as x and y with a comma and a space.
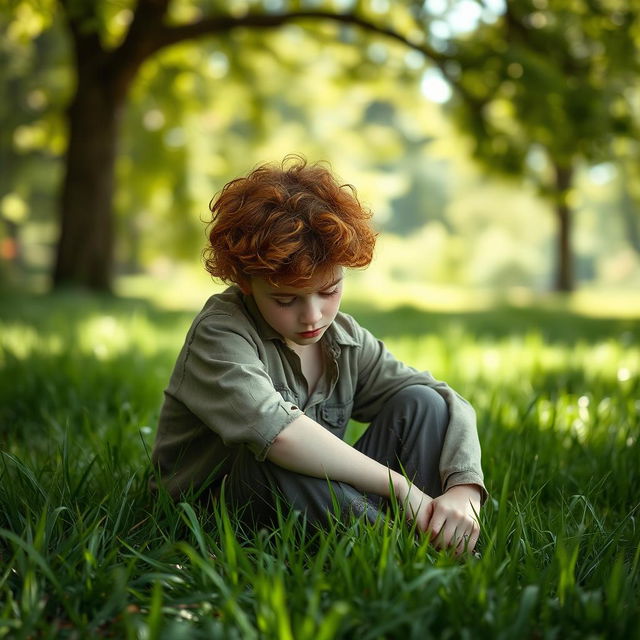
598, 303
104, 336
180, 288
22, 341
385, 293
515, 359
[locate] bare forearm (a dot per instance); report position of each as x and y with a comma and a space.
307, 447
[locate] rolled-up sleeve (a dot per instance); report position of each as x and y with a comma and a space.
225, 384
381, 375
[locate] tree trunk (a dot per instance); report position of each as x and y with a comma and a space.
628, 208
564, 279
85, 248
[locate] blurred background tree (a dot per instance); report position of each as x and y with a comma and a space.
547, 87
357, 83
110, 42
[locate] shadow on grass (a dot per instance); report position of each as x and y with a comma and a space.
73, 307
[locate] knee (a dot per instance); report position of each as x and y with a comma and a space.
425, 401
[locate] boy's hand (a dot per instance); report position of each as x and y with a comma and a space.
450, 519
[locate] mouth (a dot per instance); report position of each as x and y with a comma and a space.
311, 334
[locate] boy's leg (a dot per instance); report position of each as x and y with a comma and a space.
409, 433
254, 487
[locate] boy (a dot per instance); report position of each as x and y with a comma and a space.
272, 371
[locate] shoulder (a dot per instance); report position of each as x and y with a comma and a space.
224, 311
227, 303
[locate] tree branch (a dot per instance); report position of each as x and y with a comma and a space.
139, 43
148, 34
222, 24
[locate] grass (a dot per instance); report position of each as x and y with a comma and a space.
86, 552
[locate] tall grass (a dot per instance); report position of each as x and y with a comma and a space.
85, 551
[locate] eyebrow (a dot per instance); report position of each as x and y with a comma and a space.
284, 294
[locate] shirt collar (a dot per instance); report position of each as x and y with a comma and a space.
339, 335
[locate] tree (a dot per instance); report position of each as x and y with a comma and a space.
546, 87
628, 162
104, 74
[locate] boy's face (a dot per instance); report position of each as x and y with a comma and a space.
300, 315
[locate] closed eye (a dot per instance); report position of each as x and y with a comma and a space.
284, 302
287, 302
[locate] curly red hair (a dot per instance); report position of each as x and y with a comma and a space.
284, 223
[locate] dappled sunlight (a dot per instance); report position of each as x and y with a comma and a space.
108, 336
377, 287
516, 359
59, 327
606, 303
495, 143
104, 336
556, 395
101, 336
582, 393
172, 286
582, 417
21, 341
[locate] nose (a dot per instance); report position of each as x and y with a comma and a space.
311, 313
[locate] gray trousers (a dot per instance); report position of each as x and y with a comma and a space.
407, 435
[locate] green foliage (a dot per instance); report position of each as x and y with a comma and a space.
86, 551
35, 81
556, 76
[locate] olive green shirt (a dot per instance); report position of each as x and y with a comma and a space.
237, 383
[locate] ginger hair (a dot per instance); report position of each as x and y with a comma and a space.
285, 223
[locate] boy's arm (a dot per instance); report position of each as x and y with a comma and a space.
306, 447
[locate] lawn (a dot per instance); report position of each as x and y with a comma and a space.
85, 552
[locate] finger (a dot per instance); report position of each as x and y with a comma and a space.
461, 525
450, 534
459, 542
436, 524
473, 538
468, 540
425, 515
463, 536
462, 543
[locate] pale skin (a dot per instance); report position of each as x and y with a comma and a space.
301, 315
